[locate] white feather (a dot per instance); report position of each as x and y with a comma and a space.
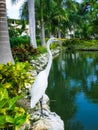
41, 81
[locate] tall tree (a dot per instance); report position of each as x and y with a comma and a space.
39, 8
32, 23
32, 27
5, 49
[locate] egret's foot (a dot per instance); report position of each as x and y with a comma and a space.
41, 113
44, 114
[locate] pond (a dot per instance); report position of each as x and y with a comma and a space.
73, 89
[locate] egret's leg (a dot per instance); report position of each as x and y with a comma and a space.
41, 102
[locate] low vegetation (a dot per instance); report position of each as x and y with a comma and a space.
80, 44
13, 79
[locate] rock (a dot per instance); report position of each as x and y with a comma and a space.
39, 68
34, 72
25, 126
55, 122
50, 120
42, 124
46, 99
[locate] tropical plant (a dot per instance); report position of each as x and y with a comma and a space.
11, 117
14, 77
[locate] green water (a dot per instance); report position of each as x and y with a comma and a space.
73, 89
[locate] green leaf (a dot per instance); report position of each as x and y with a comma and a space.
5, 119
3, 94
20, 120
3, 111
12, 102
3, 103
9, 119
2, 121
17, 128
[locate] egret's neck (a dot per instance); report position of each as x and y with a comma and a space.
48, 67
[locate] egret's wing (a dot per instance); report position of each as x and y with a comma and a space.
38, 88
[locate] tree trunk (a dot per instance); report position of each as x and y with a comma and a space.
42, 24
5, 49
32, 26
59, 32
42, 33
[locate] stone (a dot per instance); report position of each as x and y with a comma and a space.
49, 121
55, 122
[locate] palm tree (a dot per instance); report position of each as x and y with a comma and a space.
32, 27
32, 23
57, 17
5, 49
39, 8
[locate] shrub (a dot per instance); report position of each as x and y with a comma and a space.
79, 44
17, 41
13, 79
23, 53
11, 117
42, 49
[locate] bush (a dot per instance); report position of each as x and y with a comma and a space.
13, 79
11, 117
80, 44
23, 53
42, 49
17, 41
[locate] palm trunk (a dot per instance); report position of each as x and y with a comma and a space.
59, 32
42, 33
42, 25
5, 49
32, 26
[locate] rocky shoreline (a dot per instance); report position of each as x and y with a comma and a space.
50, 120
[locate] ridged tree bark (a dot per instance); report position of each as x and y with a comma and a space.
32, 25
42, 24
5, 49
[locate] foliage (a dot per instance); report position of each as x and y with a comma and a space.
11, 117
17, 41
13, 33
42, 49
14, 77
80, 44
22, 53
59, 16
54, 45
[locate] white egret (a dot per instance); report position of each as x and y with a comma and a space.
41, 81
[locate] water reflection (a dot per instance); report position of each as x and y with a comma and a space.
73, 89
